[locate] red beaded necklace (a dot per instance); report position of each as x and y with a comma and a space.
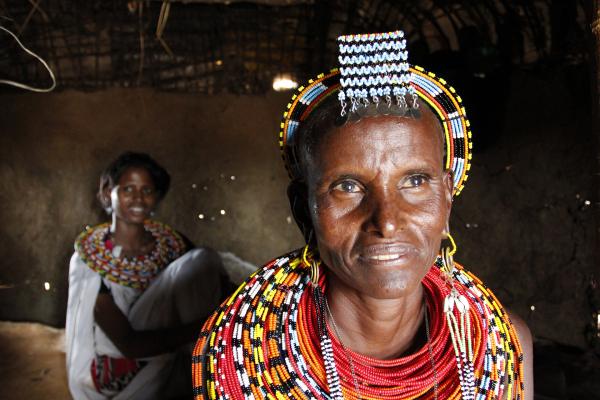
265, 342
379, 379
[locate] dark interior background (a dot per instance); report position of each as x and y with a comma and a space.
199, 99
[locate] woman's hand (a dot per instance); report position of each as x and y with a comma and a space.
139, 344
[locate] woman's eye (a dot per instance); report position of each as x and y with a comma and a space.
148, 191
348, 187
414, 181
127, 189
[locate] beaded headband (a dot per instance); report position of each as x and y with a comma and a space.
375, 69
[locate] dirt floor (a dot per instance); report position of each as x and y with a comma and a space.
32, 365
32, 362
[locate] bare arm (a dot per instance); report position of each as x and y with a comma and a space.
527, 346
138, 344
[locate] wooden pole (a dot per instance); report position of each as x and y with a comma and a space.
595, 77
594, 288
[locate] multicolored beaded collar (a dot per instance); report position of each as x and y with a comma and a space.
135, 272
262, 343
433, 90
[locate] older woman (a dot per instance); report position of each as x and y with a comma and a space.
371, 308
137, 292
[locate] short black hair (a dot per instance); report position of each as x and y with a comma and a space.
111, 175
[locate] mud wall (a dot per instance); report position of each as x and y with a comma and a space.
523, 223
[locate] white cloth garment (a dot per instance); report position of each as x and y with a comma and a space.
187, 290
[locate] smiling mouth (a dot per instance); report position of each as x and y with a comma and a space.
384, 257
138, 210
386, 254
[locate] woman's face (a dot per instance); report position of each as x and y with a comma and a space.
379, 202
134, 197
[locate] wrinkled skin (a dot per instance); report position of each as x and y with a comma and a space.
379, 202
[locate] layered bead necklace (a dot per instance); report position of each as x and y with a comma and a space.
270, 340
96, 250
349, 357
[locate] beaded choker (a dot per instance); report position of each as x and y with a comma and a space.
96, 251
263, 342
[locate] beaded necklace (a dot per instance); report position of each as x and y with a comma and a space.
263, 342
96, 250
352, 370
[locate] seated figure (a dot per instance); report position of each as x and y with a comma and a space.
138, 291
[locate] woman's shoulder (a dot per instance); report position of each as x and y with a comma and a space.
280, 273
89, 239
282, 265
521, 328
284, 271
526, 341
515, 328
172, 240
89, 230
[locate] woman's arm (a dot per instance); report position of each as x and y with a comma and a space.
527, 346
139, 344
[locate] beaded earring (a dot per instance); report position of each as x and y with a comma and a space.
447, 257
459, 327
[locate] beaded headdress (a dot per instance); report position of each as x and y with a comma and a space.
374, 67
374, 70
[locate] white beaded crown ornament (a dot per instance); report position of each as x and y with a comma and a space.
374, 70
374, 67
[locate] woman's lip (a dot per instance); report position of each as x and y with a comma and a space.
385, 257
386, 253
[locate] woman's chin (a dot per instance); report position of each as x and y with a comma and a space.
386, 284
392, 289
138, 219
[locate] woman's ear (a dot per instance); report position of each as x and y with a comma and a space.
104, 197
298, 196
449, 186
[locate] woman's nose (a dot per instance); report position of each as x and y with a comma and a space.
137, 194
386, 216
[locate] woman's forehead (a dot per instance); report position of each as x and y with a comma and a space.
373, 141
135, 172
369, 131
